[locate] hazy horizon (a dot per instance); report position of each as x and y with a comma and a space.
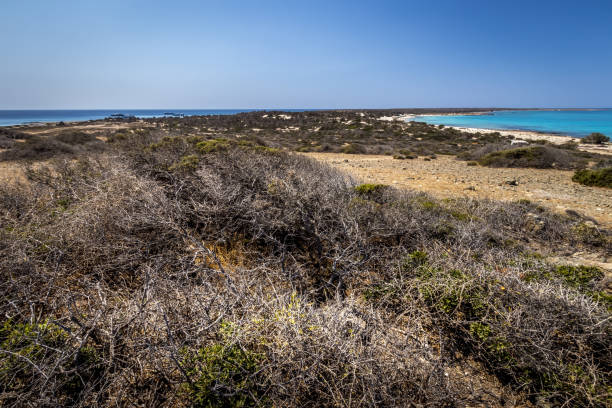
137, 54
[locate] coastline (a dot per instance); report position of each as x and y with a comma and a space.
519, 134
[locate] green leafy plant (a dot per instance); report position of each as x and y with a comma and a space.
222, 375
594, 178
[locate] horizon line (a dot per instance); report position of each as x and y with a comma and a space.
307, 108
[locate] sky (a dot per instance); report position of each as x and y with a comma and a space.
136, 54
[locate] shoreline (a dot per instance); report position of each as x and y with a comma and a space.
519, 134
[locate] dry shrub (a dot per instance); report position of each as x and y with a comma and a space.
253, 276
45, 147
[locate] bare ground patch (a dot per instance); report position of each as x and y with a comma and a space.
446, 177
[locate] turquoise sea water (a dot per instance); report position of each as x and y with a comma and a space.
570, 122
18, 117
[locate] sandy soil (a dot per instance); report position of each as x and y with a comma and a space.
447, 177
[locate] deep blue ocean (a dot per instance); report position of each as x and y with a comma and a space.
568, 122
18, 117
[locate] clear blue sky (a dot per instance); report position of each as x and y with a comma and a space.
86, 54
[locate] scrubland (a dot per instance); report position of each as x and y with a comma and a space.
177, 263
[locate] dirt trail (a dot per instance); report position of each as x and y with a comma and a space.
447, 177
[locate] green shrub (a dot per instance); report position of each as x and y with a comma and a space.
166, 142
353, 148
583, 278
533, 156
596, 138
414, 259
377, 291
187, 163
116, 137
369, 189
571, 145
26, 345
213, 145
588, 233
594, 178
579, 277
407, 154
429, 205
480, 331
222, 375
504, 156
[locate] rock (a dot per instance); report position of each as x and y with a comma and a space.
471, 188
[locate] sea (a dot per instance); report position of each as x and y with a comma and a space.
20, 117
578, 123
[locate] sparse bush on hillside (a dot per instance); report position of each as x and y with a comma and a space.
36, 148
541, 157
46, 147
75, 138
13, 134
5, 142
595, 177
353, 148
596, 138
482, 151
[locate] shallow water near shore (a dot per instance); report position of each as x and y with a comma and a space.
577, 123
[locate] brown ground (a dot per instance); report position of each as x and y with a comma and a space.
11, 173
447, 177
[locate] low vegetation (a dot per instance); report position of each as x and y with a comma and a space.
539, 156
594, 177
170, 268
63, 144
596, 138
351, 132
